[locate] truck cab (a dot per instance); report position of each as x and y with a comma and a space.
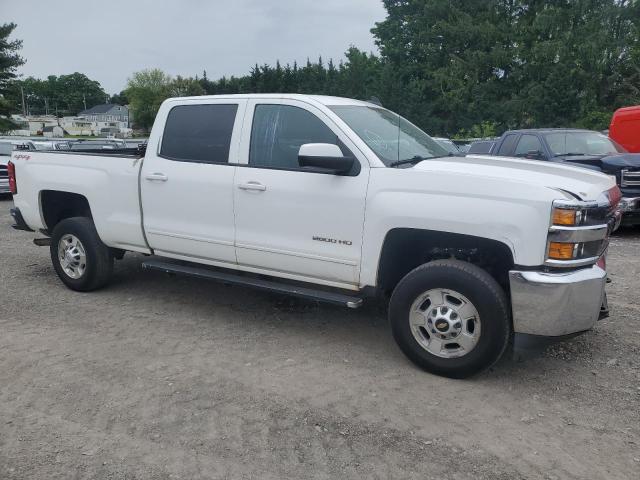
336, 200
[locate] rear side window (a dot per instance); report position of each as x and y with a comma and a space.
199, 133
506, 148
279, 131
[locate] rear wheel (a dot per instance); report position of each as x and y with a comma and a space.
79, 257
450, 318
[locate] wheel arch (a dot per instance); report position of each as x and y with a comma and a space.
56, 205
404, 249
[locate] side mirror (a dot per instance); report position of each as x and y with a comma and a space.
324, 158
535, 154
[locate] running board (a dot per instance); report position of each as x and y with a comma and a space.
350, 301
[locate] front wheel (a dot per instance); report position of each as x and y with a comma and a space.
79, 257
450, 317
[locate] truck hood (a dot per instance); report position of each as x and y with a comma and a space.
624, 160
606, 163
582, 182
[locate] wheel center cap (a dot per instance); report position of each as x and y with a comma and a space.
442, 325
68, 257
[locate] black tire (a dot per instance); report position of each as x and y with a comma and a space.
480, 289
99, 260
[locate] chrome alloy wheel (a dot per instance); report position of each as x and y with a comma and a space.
445, 323
72, 256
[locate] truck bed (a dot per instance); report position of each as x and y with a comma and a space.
108, 181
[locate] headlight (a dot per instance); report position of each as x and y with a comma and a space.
566, 216
572, 251
578, 232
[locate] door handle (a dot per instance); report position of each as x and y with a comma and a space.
157, 177
252, 186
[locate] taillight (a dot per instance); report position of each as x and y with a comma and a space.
13, 186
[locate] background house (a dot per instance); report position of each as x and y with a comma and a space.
107, 119
53, 131
33, 124
107, 113
77, 126
100, 121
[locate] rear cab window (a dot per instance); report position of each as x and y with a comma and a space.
199, 133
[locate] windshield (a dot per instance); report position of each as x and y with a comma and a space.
581, 143
390, 136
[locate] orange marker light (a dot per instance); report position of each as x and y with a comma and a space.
561, 251
564, 217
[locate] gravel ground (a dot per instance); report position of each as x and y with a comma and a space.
167, 377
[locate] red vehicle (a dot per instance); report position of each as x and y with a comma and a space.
625, 128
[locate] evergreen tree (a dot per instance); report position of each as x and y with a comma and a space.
9, 62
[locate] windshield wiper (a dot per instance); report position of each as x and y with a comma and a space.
416, 159
571, 154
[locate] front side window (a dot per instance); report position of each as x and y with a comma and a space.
527, 145
391, 137
278, 131
199, 133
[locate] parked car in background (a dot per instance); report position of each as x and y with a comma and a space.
451, 147
6, 147
480, 147
582, 148
625, 128
18, 143
52, 144
102, 144
5, 156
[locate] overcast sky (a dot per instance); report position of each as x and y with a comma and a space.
108, 41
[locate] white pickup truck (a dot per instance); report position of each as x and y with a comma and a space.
337, 200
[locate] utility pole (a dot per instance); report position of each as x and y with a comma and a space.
24, 109
84, 101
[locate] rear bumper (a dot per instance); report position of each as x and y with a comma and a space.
4, 185
556, 304
19, 224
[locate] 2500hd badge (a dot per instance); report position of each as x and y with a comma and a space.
332, 240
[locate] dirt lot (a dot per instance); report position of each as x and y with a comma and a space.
158, 377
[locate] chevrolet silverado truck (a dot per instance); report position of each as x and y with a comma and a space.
582, 148
336, 200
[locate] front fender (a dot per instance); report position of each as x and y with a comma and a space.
514, 215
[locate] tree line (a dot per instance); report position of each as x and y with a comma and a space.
453, 67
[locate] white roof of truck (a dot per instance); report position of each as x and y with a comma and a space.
323, 99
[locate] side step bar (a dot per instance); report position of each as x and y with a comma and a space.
350, 301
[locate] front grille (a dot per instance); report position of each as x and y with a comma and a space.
630, 179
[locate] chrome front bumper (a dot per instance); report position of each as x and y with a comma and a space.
555, 304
